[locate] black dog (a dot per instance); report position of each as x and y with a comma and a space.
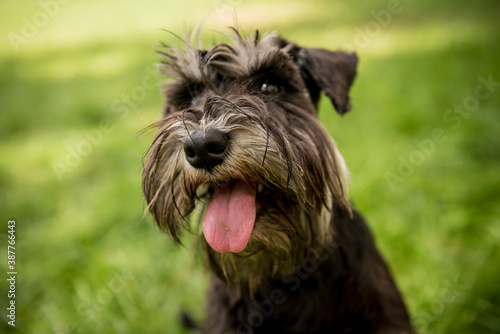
240, 139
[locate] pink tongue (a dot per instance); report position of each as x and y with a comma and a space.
230, 216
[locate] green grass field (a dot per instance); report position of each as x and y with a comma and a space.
78, 84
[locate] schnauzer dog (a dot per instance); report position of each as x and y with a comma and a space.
239, 140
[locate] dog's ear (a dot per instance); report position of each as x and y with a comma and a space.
322, 70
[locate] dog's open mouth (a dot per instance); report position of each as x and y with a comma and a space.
230, 216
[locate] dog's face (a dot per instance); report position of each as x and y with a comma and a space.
240, 139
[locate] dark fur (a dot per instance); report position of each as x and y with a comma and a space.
310, 261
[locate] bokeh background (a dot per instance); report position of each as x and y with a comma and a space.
78, 83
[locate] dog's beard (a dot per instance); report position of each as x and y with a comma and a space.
267, 205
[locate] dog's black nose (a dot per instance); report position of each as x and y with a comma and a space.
206, 150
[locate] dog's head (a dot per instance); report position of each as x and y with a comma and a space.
239, 138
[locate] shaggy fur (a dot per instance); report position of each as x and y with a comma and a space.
310, 265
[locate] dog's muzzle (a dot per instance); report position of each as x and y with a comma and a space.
206, 148
231, 210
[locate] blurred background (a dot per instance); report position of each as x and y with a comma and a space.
78, 83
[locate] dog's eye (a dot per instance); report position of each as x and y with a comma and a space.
267, 88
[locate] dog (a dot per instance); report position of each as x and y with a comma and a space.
240, 141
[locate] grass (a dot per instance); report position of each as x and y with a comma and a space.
89, 263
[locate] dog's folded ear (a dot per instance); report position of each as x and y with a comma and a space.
330, 71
